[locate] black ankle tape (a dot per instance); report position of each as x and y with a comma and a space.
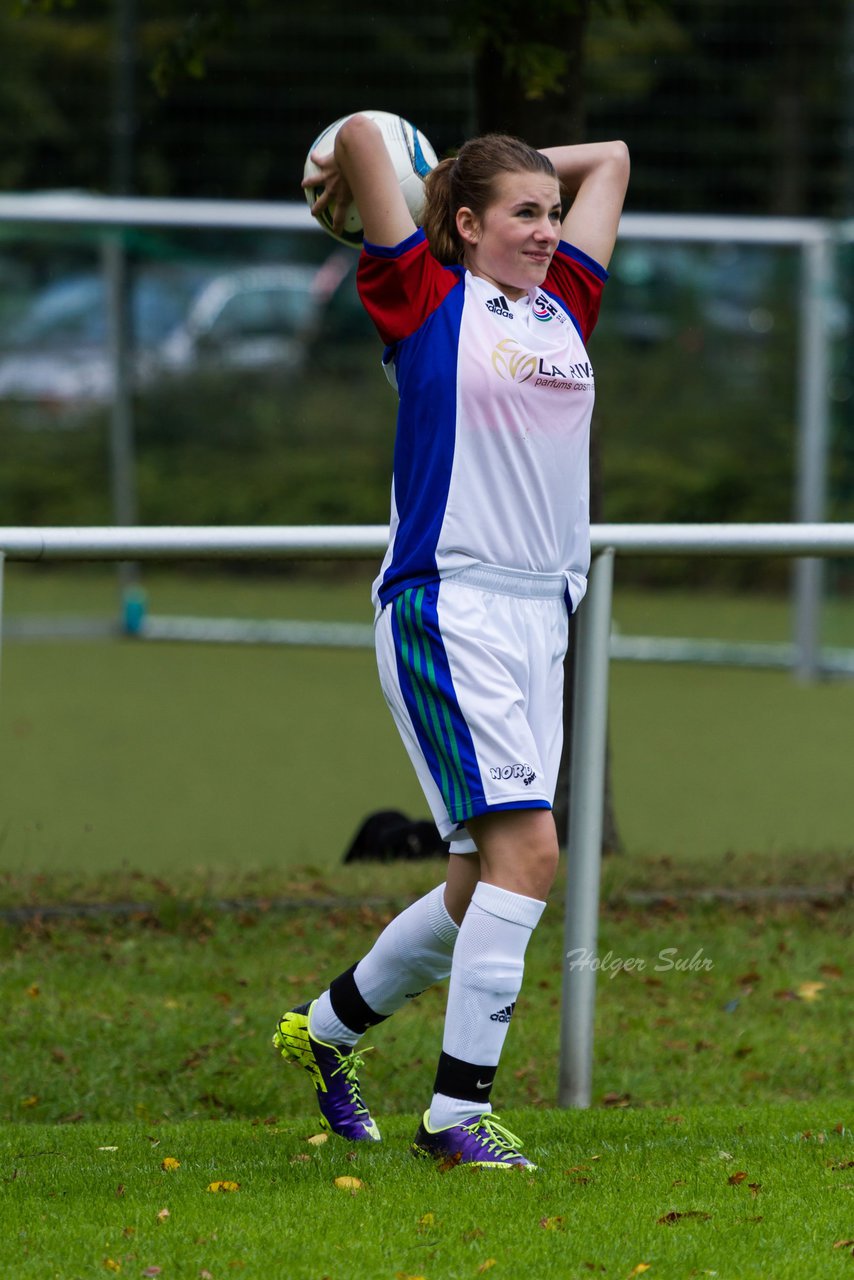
458, 1079
349, 1006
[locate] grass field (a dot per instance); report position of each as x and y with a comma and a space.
157, 756
205, 787
715, 1192
719, 1142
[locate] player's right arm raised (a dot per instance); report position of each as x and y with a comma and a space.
360, 170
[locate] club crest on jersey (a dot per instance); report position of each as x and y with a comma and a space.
500, 307
544, 310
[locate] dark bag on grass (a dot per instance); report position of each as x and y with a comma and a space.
389, 836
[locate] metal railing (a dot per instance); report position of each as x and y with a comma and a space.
816, 239
590, 695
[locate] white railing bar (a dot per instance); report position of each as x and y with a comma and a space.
82, 209
77, 209
110, 542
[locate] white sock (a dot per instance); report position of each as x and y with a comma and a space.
412, 952
486, 976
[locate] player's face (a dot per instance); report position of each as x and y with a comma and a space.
512, 244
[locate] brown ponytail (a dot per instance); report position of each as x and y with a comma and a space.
468, 181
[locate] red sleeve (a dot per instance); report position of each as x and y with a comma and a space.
401, 286
577, 280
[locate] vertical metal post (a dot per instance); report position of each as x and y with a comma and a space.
587, 785
122, 456
812, 447
2, 566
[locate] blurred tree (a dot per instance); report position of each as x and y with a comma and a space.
727, 107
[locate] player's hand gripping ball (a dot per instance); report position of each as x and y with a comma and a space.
412, 157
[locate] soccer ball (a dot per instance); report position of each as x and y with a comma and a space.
411, 153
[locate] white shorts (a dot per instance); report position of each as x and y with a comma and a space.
472, 670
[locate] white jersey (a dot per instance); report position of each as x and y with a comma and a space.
491, 455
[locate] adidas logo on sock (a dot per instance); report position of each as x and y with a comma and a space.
503, 1015
500, 307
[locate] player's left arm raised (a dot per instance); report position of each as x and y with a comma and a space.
595, 176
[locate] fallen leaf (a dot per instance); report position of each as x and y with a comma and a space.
152, 1271
34, 991
810, 990
843, 1244
724, 1155
755, 1188
840, 1164
223, 1186
640, 1268
347, 1183
735, 1178
614, 1099
301, 1158
426, 1222
204, 1274
31, 1101
486, 1265
830, 970
163, 1215
120, 1190
110, 1264
552, 1224
675, 1216
169, 1163
317, 1139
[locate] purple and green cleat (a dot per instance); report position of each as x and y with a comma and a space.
334, 1074
481, 1142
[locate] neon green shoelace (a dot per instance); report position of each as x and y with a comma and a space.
499, 1138
349, 1067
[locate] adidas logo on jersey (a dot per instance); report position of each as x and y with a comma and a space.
500, 307
503, 1015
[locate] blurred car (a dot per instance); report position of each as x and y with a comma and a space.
183, 319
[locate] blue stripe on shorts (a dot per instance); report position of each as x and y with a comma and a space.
428, 691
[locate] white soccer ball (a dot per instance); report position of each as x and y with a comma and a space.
411, 154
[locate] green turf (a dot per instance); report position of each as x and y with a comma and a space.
718, 1141
744, 1193
169, 1016
122, 754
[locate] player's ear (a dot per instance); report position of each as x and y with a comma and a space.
468, 225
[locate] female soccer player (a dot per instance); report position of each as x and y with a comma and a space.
485, 313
